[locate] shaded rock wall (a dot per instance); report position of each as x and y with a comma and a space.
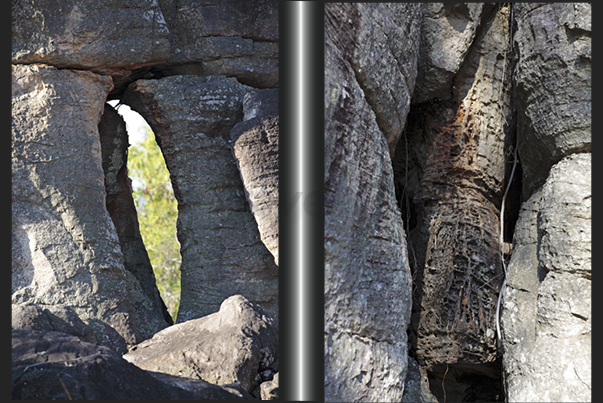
367, 278
451, 164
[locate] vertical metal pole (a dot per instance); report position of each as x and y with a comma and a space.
301, 210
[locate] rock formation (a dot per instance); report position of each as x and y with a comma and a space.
454, 151
222, 253
255, 146
79, 263
546, 310
367, 278
500, 106
66, 252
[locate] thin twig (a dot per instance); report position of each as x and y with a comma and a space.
65, 361
64, 387
443, 388
502, 207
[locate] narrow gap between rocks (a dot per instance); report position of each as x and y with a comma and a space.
155, 203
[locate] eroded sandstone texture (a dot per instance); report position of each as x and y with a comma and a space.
367, 278
222, 253
66, 252
546, 311
255, 147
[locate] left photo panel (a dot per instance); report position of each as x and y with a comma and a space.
145, 194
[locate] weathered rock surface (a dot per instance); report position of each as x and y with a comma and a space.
104, 36
121, 208
222, 253
447, 32
546, 311
367, 278
233, 345
553, 80
451, 167
54, 365
234, 37
384, 61
255, 146
416, 385
269, 389
65, 249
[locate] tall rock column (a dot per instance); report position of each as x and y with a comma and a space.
66, 254
222, 252
370, 68
451, 164
546, 310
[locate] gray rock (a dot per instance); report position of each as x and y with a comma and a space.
121, 208
367, 277
64, 245
269, 389
546, 312
230, 37
451, 166
416, 385
54, 365
222, 348
255, 148
553, 80
384, 61
447, 32
104, 36
222, 253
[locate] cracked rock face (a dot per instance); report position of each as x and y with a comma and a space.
65, 248
222, 252
367, 278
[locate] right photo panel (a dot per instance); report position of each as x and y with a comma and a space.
457, 202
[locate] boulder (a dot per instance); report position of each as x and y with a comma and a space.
367, 277
255, 147
236, 38
65, 250
546, 312
121, 207
104, 36
222, 252
234, 345
553, 86
447, 32
54, 365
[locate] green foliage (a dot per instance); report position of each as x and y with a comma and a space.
157, 214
